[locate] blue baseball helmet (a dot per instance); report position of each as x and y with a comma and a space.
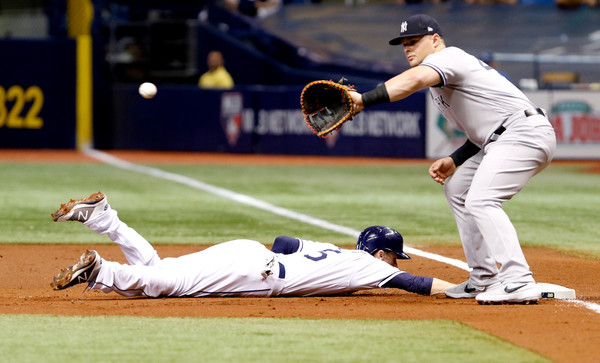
381, 238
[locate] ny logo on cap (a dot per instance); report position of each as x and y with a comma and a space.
403, 27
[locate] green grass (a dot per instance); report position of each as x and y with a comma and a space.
557, 209
30, 338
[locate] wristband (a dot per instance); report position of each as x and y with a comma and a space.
464, 152
375, 96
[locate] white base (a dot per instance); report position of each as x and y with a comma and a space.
551, 291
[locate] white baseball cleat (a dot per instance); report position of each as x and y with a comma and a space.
511, 293
467, 291
83, 209
84, 270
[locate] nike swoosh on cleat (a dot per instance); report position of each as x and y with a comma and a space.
469, 290
506, 289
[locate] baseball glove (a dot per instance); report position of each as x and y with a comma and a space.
326, 105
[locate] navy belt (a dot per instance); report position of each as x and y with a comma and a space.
528, 113
281, 271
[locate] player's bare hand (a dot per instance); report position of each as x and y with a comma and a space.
357, 99
441, 169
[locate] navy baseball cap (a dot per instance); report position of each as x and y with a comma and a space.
415, 26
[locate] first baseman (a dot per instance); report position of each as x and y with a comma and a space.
509, 140
294, 267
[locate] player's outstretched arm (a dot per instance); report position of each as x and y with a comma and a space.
411, 81
397, 88
418, 284
439, 286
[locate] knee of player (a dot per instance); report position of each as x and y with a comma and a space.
476, 204
453, 188
453, 194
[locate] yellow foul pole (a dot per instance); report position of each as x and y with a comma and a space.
80, 14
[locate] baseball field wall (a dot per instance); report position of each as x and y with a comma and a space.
259, 119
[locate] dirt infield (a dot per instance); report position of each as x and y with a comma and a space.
557, 329
560, 330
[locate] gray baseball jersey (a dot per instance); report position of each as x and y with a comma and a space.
235, 268
473, 97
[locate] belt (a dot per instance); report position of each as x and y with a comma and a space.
281, 271
534, 111
499, 131
528, 113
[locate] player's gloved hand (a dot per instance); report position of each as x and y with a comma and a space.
327, 105
441, 169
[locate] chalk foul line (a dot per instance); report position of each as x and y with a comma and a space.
260, 204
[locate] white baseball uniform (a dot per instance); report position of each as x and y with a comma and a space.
234, 268
476, 99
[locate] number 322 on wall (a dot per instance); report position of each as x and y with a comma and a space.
11, 116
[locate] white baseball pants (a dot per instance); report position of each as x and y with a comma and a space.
229, 268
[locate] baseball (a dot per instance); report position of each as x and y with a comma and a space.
147, 90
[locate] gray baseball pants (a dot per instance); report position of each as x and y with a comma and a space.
478, 188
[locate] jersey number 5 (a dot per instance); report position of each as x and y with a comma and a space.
322, 256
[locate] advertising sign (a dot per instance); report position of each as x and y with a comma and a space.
37, 94
575, 116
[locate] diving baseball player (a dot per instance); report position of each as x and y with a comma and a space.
294, 267
509, 141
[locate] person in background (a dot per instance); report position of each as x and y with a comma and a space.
216, 77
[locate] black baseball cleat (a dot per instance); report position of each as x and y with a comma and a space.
84, 270
83, 209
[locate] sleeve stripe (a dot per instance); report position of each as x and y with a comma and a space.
437, 69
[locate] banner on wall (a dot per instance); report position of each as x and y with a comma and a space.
394, 130
37, 94
390, 130
575, 116
264, 120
